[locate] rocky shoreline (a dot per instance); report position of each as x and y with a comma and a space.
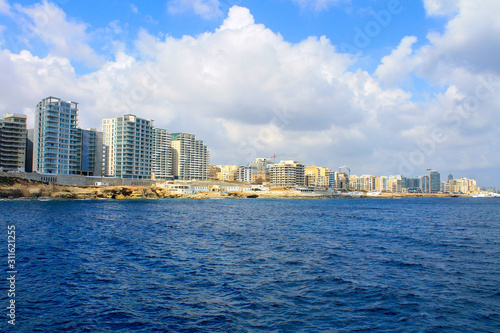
17, 188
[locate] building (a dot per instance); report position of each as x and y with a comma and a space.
245, 173
338, 180
317, 176
57, 140
463, 185
424, 184
288, 173
91, 153
129, 142
434, 181
162, 154
190, 157
228, 172
30, 139
412, 185
13, 142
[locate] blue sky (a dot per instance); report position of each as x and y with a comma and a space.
386, 87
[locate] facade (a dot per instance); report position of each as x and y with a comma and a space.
129, 142
245, 173
317, 176
288, 173
424, 184
57, 140
338, 180
91, 153
190, 157
13, 142
412, 185
463, 185
162, 154
434, 181
228, 172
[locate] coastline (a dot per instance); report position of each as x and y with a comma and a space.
17, 188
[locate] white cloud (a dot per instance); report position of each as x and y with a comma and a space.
248, 93
66, 38
4, 7
396, 67
441, 7
134, 8
205, 8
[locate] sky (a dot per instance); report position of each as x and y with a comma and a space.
383, 87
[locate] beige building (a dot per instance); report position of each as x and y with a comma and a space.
12, 142
287, 173
228, 172
463, 185
317, 176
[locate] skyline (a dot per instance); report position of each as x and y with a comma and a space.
275, 77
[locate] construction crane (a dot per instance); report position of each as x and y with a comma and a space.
274, 157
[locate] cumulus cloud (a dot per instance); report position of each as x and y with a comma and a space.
205, 8
396, 67
66, 38
249, 93
441, 7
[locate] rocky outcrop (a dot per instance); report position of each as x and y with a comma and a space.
14, 188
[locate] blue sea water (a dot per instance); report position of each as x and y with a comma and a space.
252, 265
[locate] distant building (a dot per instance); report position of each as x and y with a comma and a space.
57, 140
338, 180
228, 172
434, 181
317, 176
412, 185
129, 142
190, 157
245, 173
424, 184
463, 185
13, 142
288, 173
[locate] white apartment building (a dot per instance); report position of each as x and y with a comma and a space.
190, 157
129, 142
162, 154
57, 140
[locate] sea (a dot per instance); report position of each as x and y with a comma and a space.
253, 265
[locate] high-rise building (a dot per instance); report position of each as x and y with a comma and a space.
190, 157
424, 184
12, 142
288, 173
57, 139
91, 153
434, 181
162, 154
129, 142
